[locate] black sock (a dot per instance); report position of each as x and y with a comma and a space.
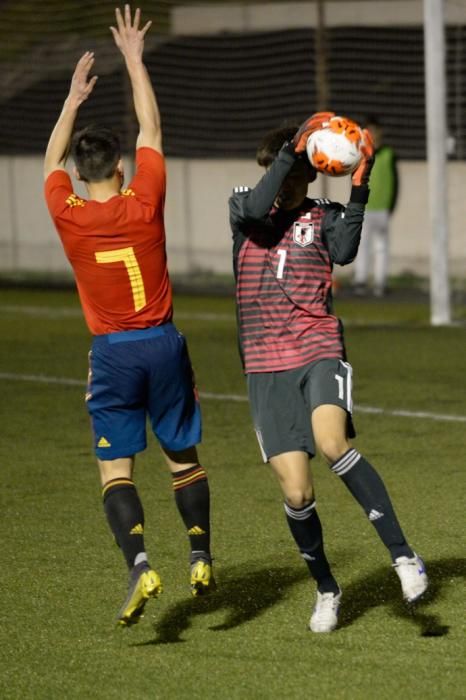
365, 484
306, 529
192, 498
126, 518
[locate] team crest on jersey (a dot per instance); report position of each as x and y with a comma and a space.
303, 233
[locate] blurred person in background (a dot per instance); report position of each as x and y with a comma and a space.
139, 364
372, 261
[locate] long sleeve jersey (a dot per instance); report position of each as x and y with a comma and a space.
283, 263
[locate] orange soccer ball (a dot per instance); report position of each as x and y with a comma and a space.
335, 149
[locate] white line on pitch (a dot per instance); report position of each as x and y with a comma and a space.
59, 312
64, 381
41, 379
52, 312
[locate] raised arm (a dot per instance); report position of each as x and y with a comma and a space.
342, 228
253, 206
130, 40
80, 89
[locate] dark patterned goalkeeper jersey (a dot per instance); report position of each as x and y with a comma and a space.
283, 263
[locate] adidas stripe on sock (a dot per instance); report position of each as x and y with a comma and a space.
125, 516
192, 497
305, 526
367, 487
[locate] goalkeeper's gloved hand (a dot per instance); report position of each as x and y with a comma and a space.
360, 176
312, 123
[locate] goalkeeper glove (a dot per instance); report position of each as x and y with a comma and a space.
313, 123
360, 176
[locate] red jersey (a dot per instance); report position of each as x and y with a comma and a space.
117, 248
283, 297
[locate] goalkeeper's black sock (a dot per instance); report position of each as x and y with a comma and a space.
306, 529
365, 484
192, 498
125, 516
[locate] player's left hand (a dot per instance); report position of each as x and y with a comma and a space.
361, 175
312, 123
81, 85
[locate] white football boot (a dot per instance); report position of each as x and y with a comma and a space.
412, 574
324, 617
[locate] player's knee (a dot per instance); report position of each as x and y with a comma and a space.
111, 469
299, 497
181, 459
333, 448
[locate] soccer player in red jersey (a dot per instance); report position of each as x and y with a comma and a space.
139, 362
292, 346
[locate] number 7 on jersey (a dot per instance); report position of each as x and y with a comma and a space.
128, 257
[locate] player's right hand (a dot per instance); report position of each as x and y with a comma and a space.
127, 35
313, 123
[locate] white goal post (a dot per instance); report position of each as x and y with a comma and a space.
434, 49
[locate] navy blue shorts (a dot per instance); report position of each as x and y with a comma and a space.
140, 373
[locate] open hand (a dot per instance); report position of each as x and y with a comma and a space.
81, 85
128, 37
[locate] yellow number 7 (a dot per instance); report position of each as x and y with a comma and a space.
127, 256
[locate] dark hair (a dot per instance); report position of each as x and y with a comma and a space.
272, 143
96, 152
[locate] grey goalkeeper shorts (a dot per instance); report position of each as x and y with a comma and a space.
282, 403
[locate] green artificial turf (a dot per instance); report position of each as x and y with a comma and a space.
63, 579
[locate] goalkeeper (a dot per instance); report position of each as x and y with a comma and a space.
299, 380
139, 363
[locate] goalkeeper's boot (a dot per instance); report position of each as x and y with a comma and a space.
144, 583
202, 578
324, 617
412, 574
